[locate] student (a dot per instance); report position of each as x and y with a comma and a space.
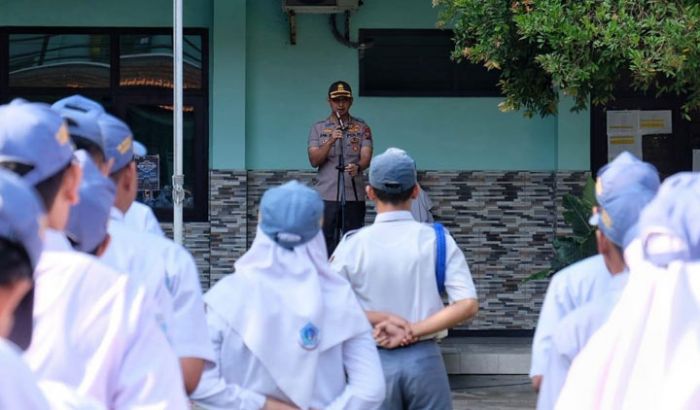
421, 207
188, 328
20, 248
94, 330
646, 355
170, 279
620, 200
82, 116
579, 283
391, 267
140, 217
298, 338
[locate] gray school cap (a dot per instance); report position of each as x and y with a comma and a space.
623, 171
119, 141
618, 213
81, 115
291, 214
20, 215
393, 171
623, 188
34, 140
669, 225
20, 223
87, 223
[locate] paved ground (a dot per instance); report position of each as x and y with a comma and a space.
492, 392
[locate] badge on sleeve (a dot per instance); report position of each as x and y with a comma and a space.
355, 142
309, 336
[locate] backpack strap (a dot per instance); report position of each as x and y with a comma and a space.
440, 256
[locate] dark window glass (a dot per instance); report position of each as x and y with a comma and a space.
152, 126
130, 72
417, 63
59, 60
147, 61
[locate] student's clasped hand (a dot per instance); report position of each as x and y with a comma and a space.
393, 332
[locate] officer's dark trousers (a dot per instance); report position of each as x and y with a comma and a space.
354, 219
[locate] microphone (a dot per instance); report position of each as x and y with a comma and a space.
340, 120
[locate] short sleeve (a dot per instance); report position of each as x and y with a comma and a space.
458, 278
189, 336
314, 137
366, 137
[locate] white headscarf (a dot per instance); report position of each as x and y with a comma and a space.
276, 294
648, 353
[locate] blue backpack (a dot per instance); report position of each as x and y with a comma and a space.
440, 257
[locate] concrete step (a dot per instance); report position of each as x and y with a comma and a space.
487, 355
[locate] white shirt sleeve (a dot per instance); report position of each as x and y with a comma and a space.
149, 374
365, 389
188, 331
550, 315
213, 393
565, 345
18, 387
458, 278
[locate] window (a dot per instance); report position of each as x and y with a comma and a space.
130, 72
417, 63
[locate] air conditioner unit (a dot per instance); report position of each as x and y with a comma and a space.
320, 6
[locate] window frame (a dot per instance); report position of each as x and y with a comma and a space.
117, 96
366, 34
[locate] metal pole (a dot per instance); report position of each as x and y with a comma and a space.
178, 177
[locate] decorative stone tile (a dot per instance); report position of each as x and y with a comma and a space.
258, 182
503, 221
227, 215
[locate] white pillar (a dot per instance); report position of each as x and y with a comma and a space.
178, 177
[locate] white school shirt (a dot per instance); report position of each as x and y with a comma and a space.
95, 331
240, 381
571, 337
63, 397
187, 324
18, 386
391, 267
131, 252
646, 355
141, 218
568, 289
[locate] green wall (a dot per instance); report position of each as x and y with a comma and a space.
287, 90
122, 13
266, 93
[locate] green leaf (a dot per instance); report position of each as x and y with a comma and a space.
577, 214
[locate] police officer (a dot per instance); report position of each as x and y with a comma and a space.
298, 338
391, 266
583, 281
94, 329
338, 136
620, 201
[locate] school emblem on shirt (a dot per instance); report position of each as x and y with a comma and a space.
309, 336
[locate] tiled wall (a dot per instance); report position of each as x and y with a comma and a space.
503, 221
